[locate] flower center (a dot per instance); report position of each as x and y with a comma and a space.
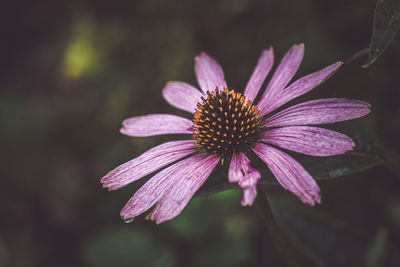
225, 123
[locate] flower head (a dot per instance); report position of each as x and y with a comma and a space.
228, 124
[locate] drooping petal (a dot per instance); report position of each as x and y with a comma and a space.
182, 190
156, 124
182, 95
247, 177
308, 140
155, 188
209, 73
319, 111
260, 72
148, 162
298, 88
288, 67
290, 174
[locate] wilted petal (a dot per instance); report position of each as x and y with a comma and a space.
182, 95
209, 73
298, 88
319, 111
309, 140
182, 190
156, 124
288, 67
247, 177
154, 189
290, 174
260, 72
148, 162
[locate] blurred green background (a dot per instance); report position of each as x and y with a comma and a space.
71, 71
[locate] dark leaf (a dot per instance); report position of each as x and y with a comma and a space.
368, 153
335, 242
386, 26
292, 252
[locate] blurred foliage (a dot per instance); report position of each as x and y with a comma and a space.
114, 248
82, 55
378, 249
71, 71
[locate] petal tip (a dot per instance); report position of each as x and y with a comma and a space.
123, 131
317, 196
124, 216
202, 55
311, 202
159, 221
107, 183
298, 47
269, 50
156, 218
247, 202
334, 67
244, 203
167, 84
338, 63
368, 105
352, 144
125, 122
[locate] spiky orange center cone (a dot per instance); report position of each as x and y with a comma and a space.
225, 123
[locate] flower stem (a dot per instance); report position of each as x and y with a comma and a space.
292, 256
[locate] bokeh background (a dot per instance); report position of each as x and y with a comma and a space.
71, 71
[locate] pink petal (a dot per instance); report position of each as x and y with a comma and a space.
260, 72
284, 73
182, 190
319, 111
182, 95
298, 88
148, 162
155, 188
156, 124
290, 174
209, 73
309, 140
247, 177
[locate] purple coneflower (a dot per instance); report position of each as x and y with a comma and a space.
228, 125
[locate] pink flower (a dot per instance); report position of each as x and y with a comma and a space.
227, 124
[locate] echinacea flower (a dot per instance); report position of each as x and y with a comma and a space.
228, 125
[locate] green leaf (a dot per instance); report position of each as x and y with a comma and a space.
368, 153
386, 26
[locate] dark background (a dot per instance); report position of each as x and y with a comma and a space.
71, 71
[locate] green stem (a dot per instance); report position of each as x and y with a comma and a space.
292, 256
